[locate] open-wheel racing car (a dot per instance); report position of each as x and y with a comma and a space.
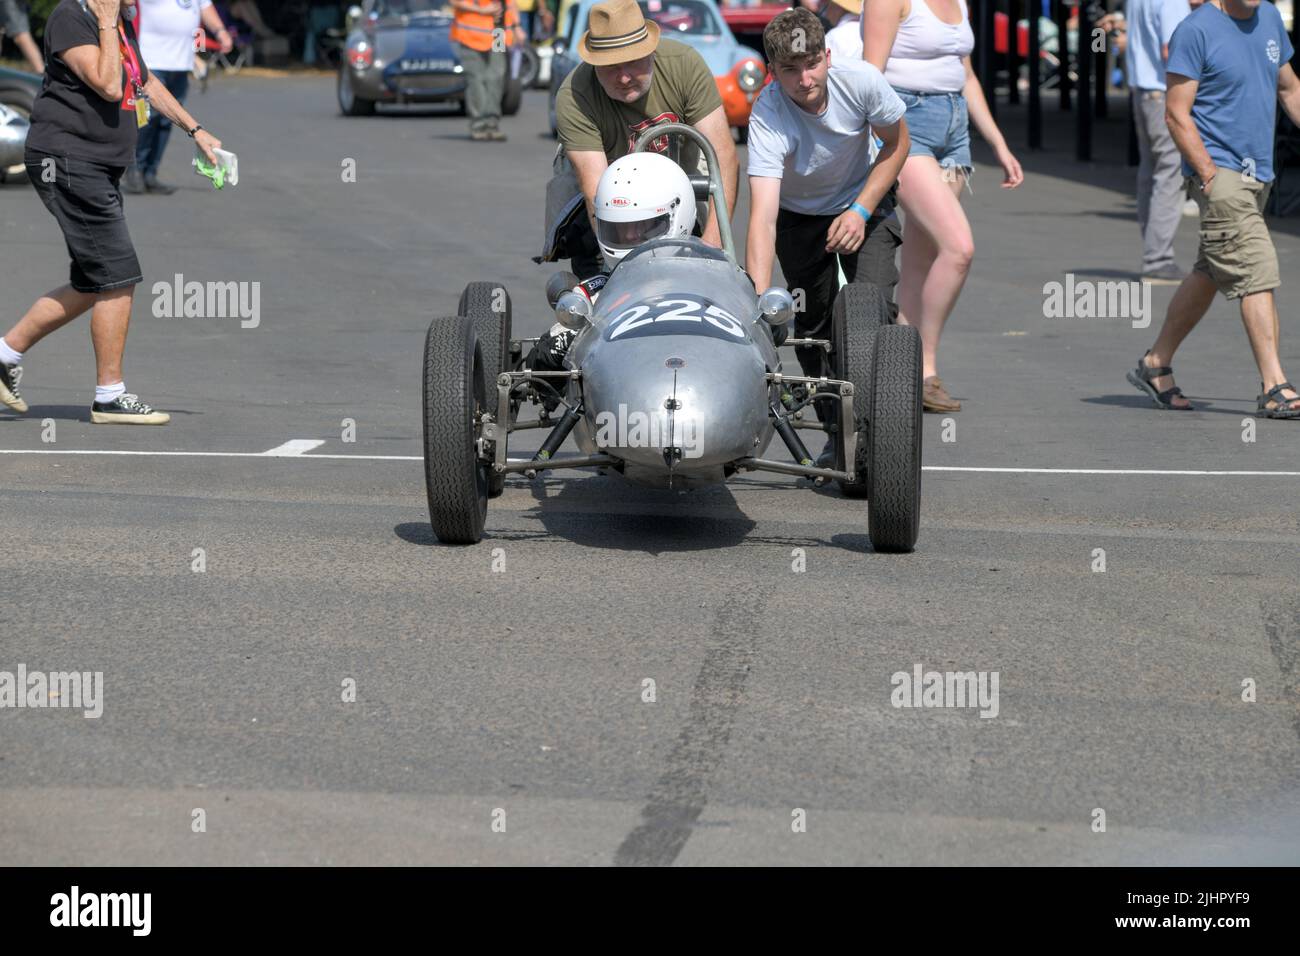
673, 380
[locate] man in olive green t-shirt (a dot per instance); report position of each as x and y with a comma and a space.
629, 81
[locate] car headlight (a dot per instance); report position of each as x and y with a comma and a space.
361, 56
750, 76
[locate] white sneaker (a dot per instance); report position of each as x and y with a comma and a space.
10, 376
126, 410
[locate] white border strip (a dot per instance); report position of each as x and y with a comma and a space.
1116, 471
951, 468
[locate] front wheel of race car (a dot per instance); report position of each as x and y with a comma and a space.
487, 306
859, 311
894, 449
456, 479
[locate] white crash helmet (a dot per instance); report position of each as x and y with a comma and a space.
642, 196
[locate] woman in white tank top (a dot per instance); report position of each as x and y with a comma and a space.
923, 47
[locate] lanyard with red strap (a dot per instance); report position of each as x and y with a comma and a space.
139, 102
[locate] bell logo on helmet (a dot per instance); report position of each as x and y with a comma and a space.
620, 201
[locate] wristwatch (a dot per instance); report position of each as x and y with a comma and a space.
190, 132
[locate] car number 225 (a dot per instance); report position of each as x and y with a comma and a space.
675, 316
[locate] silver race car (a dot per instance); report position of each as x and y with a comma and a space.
673, 380
17, 94
400, 51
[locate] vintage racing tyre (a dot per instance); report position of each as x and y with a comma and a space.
512, 97
894, 456
530, 66
860, 309
349, 103
455, 479
487, 305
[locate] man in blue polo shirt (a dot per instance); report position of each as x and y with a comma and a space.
1228, 65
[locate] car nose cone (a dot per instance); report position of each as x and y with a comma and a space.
681, 402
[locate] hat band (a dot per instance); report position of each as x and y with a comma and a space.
614, 42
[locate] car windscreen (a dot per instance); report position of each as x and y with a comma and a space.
676, 17
404, 8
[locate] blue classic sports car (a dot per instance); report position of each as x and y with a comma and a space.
400, 51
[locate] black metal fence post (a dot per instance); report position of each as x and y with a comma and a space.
1013, 51
989, 60
1103, 69
1083, 126
1035, 94
1063, 84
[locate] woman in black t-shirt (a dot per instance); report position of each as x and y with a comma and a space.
96, 94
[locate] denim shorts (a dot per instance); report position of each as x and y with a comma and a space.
86, 201
939, 126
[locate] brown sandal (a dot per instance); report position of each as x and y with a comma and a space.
935, 397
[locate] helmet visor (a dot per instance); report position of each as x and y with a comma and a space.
628, 235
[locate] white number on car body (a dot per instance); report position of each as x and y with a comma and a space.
652, 318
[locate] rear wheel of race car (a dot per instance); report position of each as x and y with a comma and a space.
859, 311
350, 104
514, 95
456, 481
894, 455
487, 306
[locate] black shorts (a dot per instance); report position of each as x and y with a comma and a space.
806, 265
85, 200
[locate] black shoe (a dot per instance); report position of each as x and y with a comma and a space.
126, 410
133, 182
10, 375
547, 355
154, 185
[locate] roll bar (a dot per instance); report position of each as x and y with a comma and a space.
715, 174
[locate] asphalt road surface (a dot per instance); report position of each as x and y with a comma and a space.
501, 711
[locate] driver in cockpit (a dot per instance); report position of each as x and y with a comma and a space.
640, 197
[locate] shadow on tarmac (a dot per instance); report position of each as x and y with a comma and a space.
1139, 401
73, 413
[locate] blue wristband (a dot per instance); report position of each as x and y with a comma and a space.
861, 210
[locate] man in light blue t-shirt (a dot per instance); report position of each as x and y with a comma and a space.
818, 202
1228, 66
819, 194
1151, 24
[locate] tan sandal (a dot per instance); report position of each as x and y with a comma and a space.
935, 397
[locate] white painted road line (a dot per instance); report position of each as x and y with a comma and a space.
284, 451
294, 447
1114, 471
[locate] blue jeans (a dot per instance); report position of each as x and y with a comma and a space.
939, 126
152, 140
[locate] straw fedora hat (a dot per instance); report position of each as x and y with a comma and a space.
617, 32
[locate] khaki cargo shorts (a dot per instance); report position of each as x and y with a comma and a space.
1236, 250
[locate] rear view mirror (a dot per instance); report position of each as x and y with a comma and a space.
573, 311
776, 306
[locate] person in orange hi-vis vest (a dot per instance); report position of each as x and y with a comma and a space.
483, 32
